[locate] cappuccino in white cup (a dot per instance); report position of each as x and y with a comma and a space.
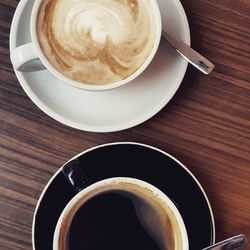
92, 44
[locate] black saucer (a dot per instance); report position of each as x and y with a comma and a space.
137, 161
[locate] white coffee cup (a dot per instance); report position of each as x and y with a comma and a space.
30, 57
145, 193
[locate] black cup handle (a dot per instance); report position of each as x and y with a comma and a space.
74, 173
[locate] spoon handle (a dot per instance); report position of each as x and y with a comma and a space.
192, 56
235, 242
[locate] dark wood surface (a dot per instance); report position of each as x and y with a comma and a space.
206, 126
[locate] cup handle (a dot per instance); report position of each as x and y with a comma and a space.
24, 58
74, 173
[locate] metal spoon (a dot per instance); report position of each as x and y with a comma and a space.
235, 242
196, 59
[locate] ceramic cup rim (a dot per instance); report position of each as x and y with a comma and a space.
111, 184
94, 87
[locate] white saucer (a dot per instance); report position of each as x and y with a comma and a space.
112, 110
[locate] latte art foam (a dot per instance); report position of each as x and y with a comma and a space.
97, 41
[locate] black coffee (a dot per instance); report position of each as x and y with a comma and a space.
109, 222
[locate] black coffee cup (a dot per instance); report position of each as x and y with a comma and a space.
120, 210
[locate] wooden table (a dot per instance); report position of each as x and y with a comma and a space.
206, 126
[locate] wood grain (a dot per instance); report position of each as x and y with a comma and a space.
206, 126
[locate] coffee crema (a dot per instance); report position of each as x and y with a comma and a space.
96, 41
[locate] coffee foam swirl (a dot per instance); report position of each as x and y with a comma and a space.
96, 41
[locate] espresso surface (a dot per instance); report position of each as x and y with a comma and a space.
109, 221
96, 41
